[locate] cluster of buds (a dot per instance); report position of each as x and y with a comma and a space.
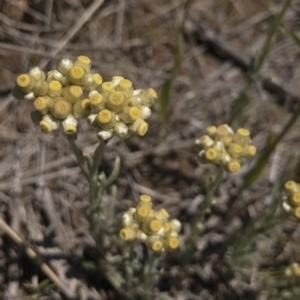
293, 270
291, 201
72, 92
222, 146
150, 226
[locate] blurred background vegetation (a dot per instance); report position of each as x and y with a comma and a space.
211, 62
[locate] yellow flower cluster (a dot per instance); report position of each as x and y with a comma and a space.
72, 92
222, 146
291, 201
293, 270
151, 227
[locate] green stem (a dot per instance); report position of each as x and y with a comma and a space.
80, 156
207, 201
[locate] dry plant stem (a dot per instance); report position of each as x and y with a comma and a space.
32, 255
207, 201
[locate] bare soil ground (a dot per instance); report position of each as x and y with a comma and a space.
140, 40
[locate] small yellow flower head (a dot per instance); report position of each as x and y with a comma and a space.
84, 62
72, 93
125, 86
42, 104
142, 212
235, 150
203, 143
128, 234
93, 81
97, 101
296, 212
40, 88
224, 134
60, 108
156, 246
148, 97
211, 154
117, 101
291, 187
49, 124
106, 119
171, 243
77, 75
25, 83
82, 109
130, 114
211, 131
139, 127
64, 66
233, 166
120, 129
106, 88
69, 125
242, 136
54, 88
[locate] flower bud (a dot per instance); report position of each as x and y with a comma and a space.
60, 108
175, 225
128, 234
40, 88
72, 93
141, 236
151, 225
155, 244
130, 114
125, 86
296, 212
145, 112
145, 201
171, 243
224, 134
84, 62
105, 134
116, 79
162, 215
148, 97
248, 150
49, 124
211, 131
291, 187
106, 119
128, 217
235, 150
54, 89
93, 81
69, 124
117, 101
82, 109
242, 136
106, 88
97, 102
139, 127
77, 75
25, 83
135, 100
37, 74
120, 129
64, 66
142, 213
42, 104
233, 166
203, 143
